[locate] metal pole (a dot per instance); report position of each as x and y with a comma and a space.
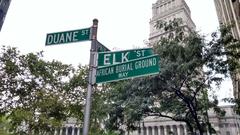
92, 78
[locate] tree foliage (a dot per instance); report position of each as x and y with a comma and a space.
189, 66
38, 95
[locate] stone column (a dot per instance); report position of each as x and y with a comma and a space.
147, 131
171, 129
55, 131
185, 130
60, 131
66, 131
142, 131
78, 131
73, 130
165, 130
178, 130
159, 130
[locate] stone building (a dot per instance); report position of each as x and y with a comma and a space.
168, 10
69, 128
4, 5
226, 125
228, 12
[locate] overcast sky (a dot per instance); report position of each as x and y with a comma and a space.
123, 24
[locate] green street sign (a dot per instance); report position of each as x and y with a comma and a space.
135, 68
68, 36
117, 57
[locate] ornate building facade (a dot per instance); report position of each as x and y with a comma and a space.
168, 10
69, 128
228, 12
226, 125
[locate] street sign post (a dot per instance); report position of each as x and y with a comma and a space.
111, 58
68, 36
91, 77
110, 66
135, 68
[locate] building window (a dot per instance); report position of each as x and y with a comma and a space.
228, 133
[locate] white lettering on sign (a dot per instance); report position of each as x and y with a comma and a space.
69, 37
85, 32
75, 36
56, 38
114, 59
49, 39
140, 53
124, 74
105, 71
124, 68
106, 60
146, 63
62, 37
124, 57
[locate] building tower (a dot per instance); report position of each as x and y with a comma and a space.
228, 12
4, 5
167, 10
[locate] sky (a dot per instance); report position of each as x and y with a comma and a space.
123, 24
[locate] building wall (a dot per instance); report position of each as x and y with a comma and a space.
228, 12
227, 125
4, 5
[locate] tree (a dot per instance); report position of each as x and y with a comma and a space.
189, 66
37, 95
4, 125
